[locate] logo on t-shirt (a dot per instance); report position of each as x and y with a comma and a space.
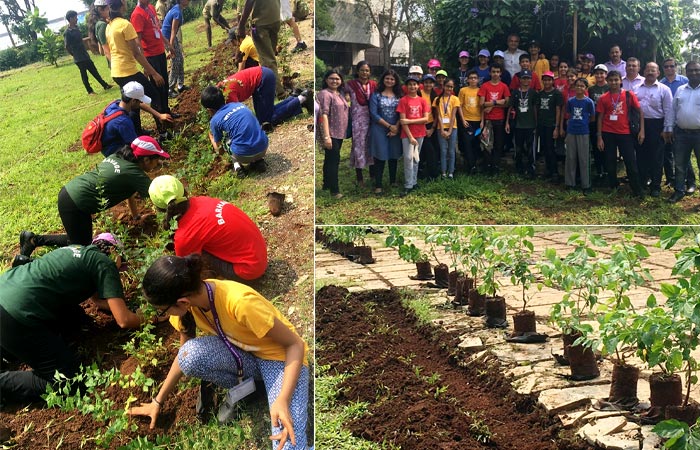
522, 104
544, 103
493, 96
578, 113
414, 110
219, 211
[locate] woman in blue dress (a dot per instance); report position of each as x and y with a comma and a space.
385, 140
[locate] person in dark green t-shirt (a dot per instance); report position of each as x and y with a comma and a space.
120, 176
522, 101
549, 104
40, 302
595, 92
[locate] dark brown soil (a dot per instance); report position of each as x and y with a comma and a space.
392, 358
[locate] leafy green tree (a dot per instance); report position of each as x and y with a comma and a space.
13, 14
50, 46
324, 21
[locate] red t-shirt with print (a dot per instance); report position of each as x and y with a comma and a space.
413, 108
223, 230
613, 107
147, 25
240, 86
491, 92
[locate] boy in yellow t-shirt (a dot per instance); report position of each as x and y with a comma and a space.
245, 53
471, 119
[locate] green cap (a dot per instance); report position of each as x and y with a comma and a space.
164, 189
441, 72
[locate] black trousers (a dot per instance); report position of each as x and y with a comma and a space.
89, 66
469, 144
331, 163
160, 64
625, 143
499, 136
150, 90
598, 157
524, 150
546, 137
650, 154
429, 166
379, 171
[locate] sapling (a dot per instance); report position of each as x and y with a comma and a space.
407, 249
515, 253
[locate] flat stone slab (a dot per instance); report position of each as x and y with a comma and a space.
471, 343
592, 431
558, 400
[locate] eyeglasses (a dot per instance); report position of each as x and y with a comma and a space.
671, 66
163, 313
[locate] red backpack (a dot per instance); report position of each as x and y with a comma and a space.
92, 134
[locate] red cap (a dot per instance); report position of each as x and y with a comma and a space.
548, 74
147, 146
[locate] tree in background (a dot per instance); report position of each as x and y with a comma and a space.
12, 15
50, 46
324, 21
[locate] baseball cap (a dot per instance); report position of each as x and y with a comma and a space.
109, 237
499, 53
147, 146
548, 74
133, 89
411, 78
534, 43
464, 53
114, 3
434, 63
589, 56
165, 189
429, 76
415, 69
602, 67
100, 3
525, 74
441, 72
484, 52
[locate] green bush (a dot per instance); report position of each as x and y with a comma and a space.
320, 70
50, 46
10, 59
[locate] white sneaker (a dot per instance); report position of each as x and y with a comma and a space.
227, 410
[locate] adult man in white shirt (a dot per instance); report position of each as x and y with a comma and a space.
685, 121
512, 54
632, 79
616, 62
655, 99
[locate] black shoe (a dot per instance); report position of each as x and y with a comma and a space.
675, 197
267, 127
21, 260
240, 172
26, 243
405, 192
183, 88
655, 193
690, 190
258, 166
300, 47
172, 94
587, 192
108, 86
205, 402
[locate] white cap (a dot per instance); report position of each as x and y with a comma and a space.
415, 69
499, 53
602, 67
100, 3
133, 89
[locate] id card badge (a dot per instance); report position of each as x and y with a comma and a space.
446, 120
157, 33
613, 117
523, 110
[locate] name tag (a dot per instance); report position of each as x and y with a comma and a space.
613, 117
445, 120
157, 33
523, 110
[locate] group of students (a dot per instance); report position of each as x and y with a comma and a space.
579, 116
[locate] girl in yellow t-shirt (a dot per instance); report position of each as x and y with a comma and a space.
445, 111
244, 337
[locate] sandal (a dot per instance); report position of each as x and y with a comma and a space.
378, 191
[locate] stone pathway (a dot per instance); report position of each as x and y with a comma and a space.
531, 367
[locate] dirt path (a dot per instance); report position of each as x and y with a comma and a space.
423, 392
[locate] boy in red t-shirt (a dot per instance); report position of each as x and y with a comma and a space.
614, 131
413, 112
493, 97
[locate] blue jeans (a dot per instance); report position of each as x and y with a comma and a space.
685, 143
448, 145
264, 101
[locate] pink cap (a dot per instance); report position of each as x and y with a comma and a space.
548, 74
109, 237
434, 63
147, 146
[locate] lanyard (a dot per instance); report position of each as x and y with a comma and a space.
236, 356
154, 19
445, 105
615, 102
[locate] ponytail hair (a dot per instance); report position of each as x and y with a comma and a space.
176, 211
126, 153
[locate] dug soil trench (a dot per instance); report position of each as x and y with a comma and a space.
423, 391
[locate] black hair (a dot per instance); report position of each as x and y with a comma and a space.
125, 99
71, 14
583, 80
524, 56
213, 98
447, 80
175, 211
104, 246
115, 13
328, 73
398, 92
496, 65
473, 72
612, 73
126, 153
359, 65
170, 278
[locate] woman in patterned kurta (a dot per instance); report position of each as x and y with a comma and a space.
384, 141
360, 90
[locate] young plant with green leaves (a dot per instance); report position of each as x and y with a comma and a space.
578, 274
515, 252
449, 238
623, 270
346, 234
679, 435
407, 249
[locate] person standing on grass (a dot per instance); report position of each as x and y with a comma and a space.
522, 104
429, 167
581, 112
227, 239
548, 104
595, 92
40, 305
242, 337
446, 108
413, 112
614, 131
73, 42
212, 10
171, 25
97, 27
125, 52
686, 127
656, 100
493, 98
384, 141
121, 176
333, 125
153, 45
360, 90
471, 118
246, 140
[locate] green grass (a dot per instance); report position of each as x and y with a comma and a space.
507, 199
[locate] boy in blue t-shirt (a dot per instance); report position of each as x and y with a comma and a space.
246, 139
581, 111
